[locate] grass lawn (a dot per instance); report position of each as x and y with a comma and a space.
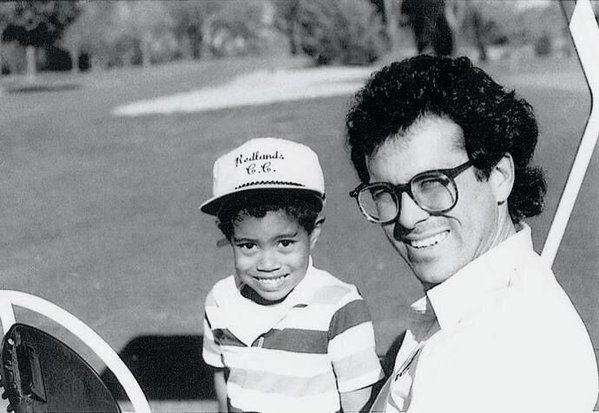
100, 213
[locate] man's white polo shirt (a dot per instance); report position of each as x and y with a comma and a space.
500, 335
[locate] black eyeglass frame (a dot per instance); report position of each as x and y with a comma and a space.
397, 190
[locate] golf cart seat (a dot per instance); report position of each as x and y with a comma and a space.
38, 370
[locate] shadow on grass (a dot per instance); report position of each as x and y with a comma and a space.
29, 87
166, 367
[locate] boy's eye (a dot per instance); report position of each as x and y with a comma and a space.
286, 242
246, 245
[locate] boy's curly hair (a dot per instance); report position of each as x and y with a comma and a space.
302, 206
494, 121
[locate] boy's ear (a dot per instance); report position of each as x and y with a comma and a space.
502, 178
316, 231
223, 242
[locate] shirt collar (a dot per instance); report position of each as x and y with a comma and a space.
303, 292
476, 284
248, 320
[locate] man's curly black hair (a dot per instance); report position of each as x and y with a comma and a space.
494, 121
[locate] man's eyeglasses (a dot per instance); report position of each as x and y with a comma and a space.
434, 191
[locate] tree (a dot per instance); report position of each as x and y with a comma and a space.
343, 31
144, 22
240, 27
430, 26
36, 24
391, 12
286, 21
192, 21
7, 11
88, 33
113, 33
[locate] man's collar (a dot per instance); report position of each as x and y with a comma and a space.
478, 282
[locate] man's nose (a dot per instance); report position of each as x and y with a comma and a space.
268, 261
410, 213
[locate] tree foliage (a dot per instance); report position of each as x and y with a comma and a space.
239, 27
191, 20
37, 23
286, 21
344, 31
115, 32
428, 21
118, 33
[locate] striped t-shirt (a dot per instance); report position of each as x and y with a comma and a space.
296, 356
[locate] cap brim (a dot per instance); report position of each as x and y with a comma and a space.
214, 204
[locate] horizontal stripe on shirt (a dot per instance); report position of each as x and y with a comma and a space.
350, 315
274, 361
354, 371
285, 384
252, 400
352, 341
297, 341
304, 341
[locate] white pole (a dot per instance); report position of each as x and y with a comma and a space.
585, 34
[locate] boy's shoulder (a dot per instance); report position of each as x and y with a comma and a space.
222, 288
330, 288
326, 277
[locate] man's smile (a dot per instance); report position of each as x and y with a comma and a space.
427, 241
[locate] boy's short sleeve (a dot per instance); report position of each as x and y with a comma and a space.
352, 346
210, 348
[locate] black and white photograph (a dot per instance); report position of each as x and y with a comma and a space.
299, 206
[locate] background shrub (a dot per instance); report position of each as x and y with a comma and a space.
340, 32
543, 45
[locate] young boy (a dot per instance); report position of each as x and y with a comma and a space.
282, 335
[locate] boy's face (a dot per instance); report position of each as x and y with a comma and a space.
271, 253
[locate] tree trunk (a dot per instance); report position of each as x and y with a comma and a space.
95, 63
294, 38
206, 30
1, 61
478, 27
31, 63
74, 56
455, 12
391, 16
145, 51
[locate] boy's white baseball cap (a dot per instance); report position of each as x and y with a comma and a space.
264, 163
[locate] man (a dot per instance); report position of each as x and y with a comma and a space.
443, 153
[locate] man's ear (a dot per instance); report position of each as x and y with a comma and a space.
502, 178
316, 231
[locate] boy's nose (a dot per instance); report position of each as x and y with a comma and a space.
267, 262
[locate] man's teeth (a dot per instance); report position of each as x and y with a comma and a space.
271, 280
430, 241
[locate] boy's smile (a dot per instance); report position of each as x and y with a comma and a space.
271, 253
